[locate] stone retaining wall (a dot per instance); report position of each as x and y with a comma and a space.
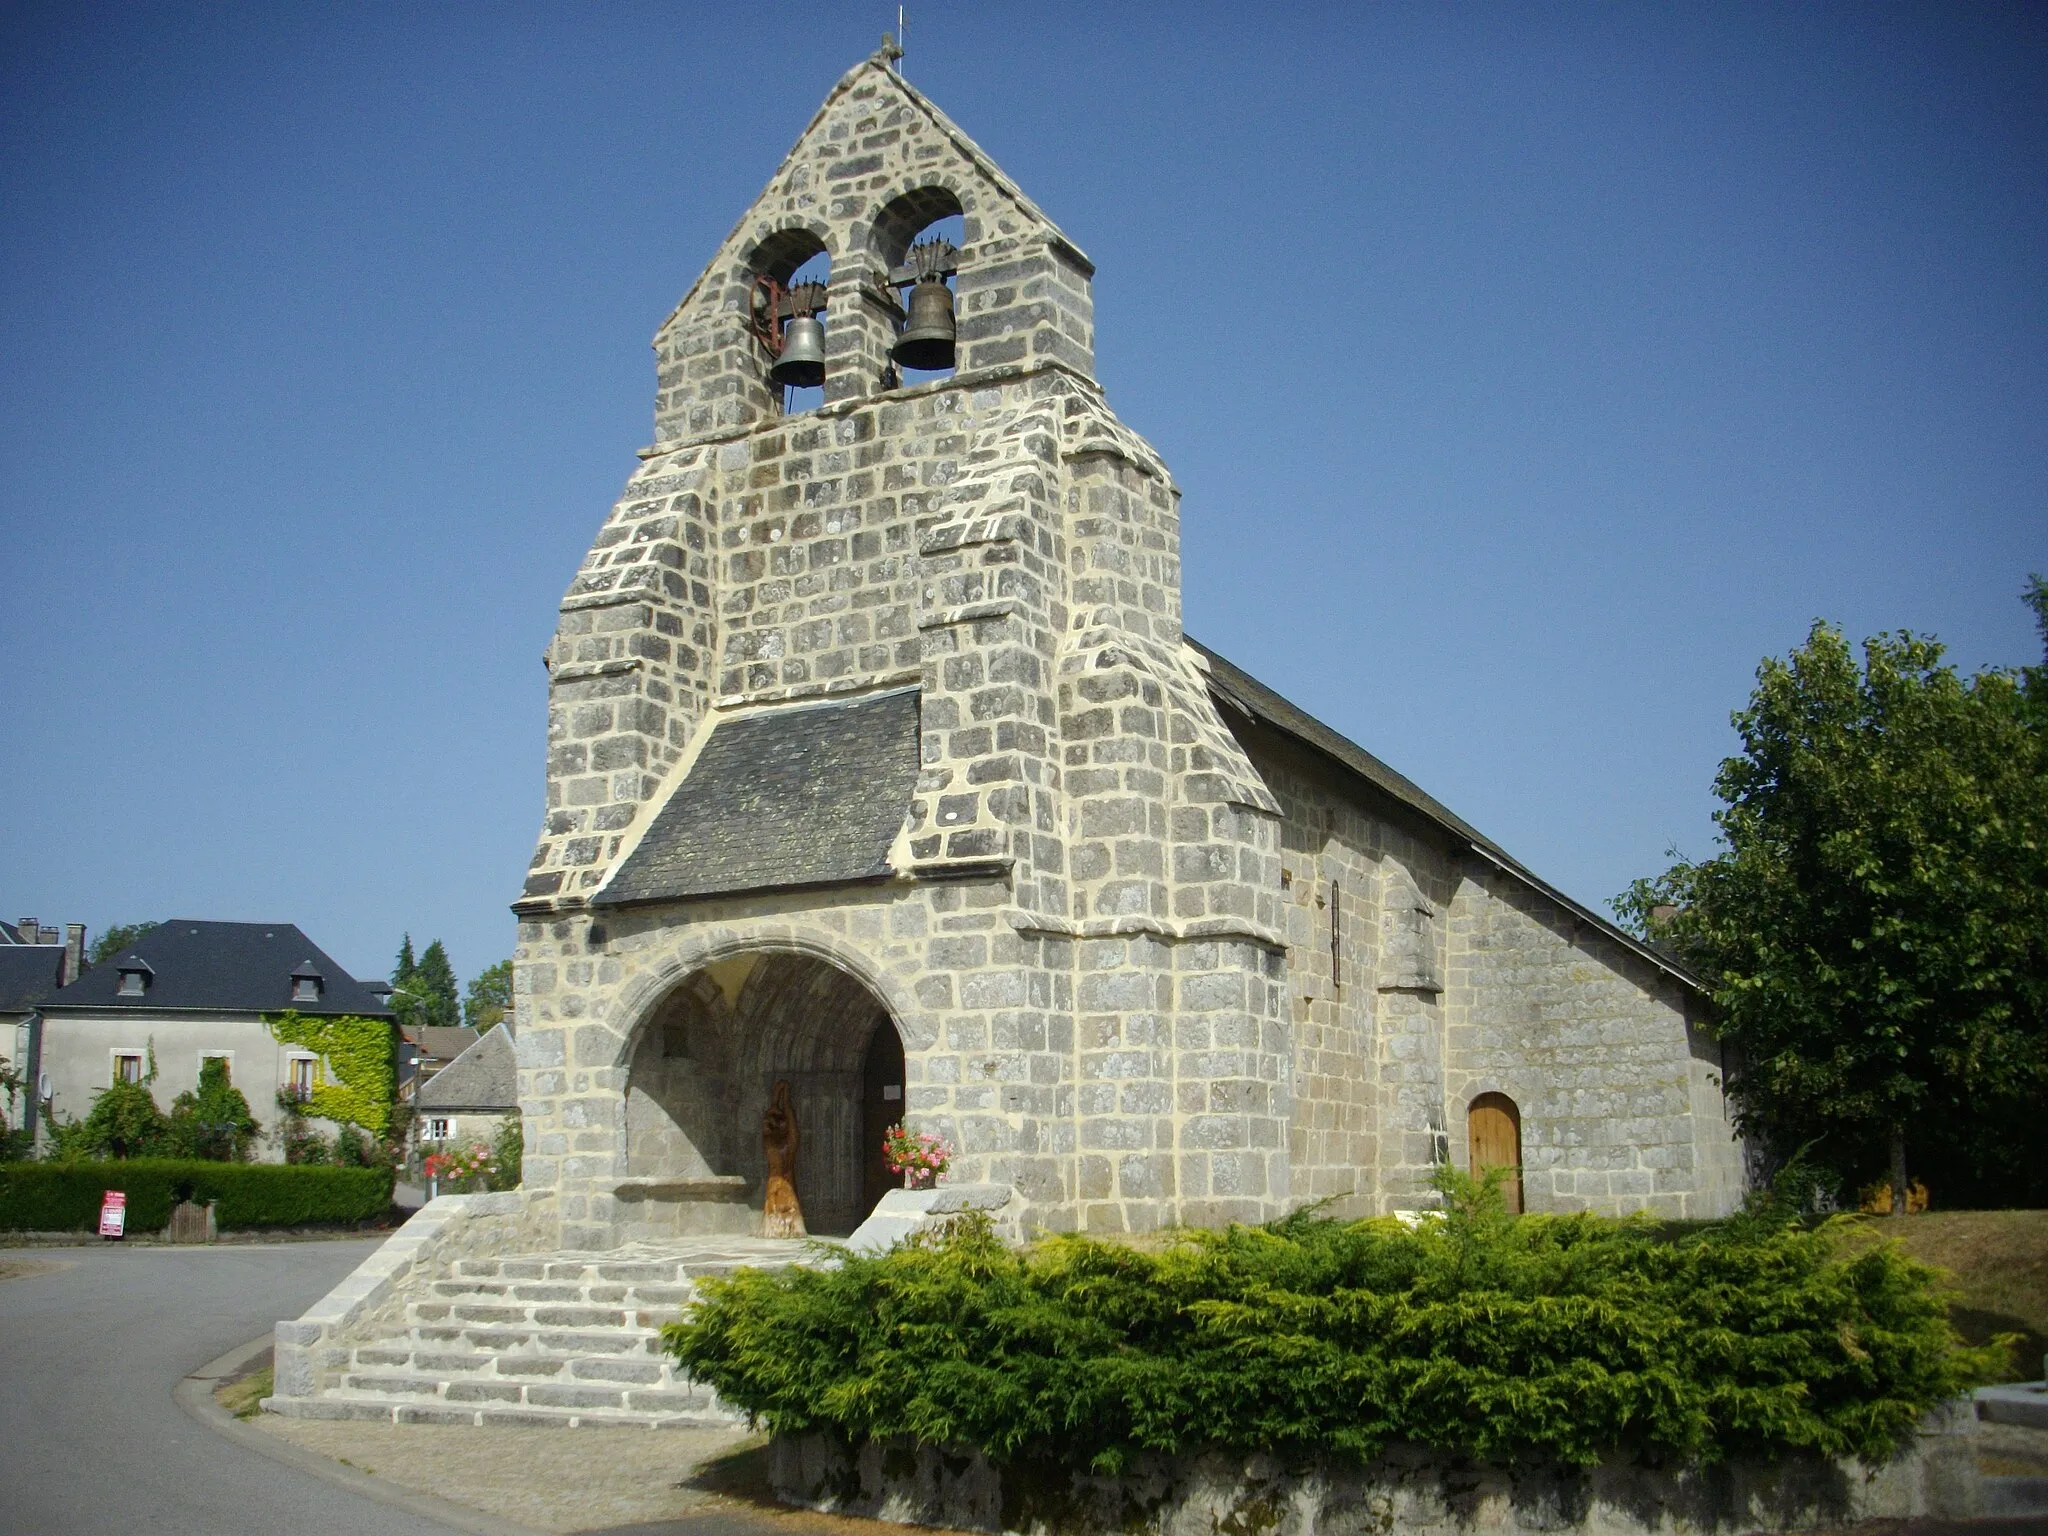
1409, 1490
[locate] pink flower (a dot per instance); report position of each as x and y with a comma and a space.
918, 1155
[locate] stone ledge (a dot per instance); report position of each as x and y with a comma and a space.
880, 682
986, 528
720, 1187
1217, 928
618, 666
902, 1213
968, 613
965, 378
2021, 1402
962, 869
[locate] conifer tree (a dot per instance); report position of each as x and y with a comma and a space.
435, 980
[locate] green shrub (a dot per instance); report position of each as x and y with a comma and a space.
508, 1155
123, 1122
65, 1197
213, 1123
1548, 1339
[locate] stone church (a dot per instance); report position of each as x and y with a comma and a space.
880, 764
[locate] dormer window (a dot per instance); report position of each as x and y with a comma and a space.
307, 983
136, 976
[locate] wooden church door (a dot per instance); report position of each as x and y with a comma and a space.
1496, 1127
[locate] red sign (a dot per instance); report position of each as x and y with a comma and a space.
114, 1214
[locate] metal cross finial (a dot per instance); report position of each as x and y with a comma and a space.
892, 42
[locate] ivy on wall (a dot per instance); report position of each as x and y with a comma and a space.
360, 1056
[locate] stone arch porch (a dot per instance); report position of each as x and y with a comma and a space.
664, 1123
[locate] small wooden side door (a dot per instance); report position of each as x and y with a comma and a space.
1496, 1130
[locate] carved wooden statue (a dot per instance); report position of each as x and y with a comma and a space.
781, 1215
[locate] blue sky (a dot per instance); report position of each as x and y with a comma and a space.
1530, 372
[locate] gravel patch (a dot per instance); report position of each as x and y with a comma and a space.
559, 1480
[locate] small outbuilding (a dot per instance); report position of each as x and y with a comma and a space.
469, 1100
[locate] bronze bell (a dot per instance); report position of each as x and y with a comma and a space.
927, 341
802, 363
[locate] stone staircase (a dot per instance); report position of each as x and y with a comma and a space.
547, 1339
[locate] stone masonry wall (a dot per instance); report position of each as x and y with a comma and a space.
1447, 979
1368, 1074
1620, 1091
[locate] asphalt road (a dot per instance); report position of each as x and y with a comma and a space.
90, 1439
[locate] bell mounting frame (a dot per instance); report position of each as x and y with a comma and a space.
769, 305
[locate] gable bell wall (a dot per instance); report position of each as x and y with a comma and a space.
1087, 856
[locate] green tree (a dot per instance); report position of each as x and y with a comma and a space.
406, 999
123, 1122
1875, 932
490, 996
214, 1123
115, 939
15, 1141
424, 990
435, 978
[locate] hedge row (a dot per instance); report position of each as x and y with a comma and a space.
65, 1197
1539, 1340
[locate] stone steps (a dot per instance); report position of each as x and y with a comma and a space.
553, 1339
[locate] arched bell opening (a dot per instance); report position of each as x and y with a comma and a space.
1494, 1128
918, 239
704, 1070
786, 301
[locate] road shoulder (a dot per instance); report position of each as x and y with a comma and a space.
194, 1394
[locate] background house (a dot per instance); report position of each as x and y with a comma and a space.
470, 1099
34, 962
188, 990
424, 1050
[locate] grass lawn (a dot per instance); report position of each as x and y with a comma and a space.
2000, 1261
244, 1394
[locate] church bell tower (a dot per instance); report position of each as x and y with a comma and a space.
869, 711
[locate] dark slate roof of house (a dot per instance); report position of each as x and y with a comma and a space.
221, 967
801, 794
442, 1042
1237, 690
28, 975
486, 1076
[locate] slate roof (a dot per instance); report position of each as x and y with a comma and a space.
443, 1042
486, 1076
1238, 691
809, 794
28, 974
221, 968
